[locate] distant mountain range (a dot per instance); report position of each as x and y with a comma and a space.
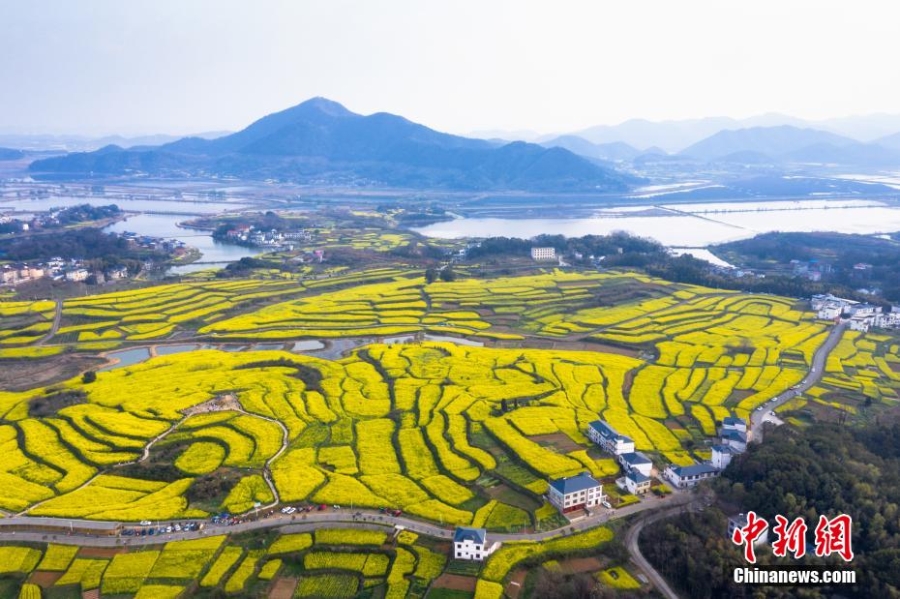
81, 143
675, 135
10, 154
777, 146
616, 151
320, 141
786, 144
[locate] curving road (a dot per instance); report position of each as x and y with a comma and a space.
815, 374
678, 503
631, 542
331, 519
757, 417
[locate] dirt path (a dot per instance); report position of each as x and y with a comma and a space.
57, 317
143, 457
230, 402
267, 469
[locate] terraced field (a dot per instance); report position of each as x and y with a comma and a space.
102, 322
446, 432
863, 371
328, 563
431, 428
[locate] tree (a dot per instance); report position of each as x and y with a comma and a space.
447, 274
431, 275
88, 377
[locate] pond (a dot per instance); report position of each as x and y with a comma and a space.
127, 357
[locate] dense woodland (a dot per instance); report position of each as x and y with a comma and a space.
623, 250
63, 218
834, 254
824, 469
100, 250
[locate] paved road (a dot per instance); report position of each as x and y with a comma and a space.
757, 417
335, 519
371, 519
817, 370
631, 542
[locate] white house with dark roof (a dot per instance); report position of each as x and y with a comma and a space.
606, 437
722, 456
735, 440
636, 461
471, 543
734, 423
688, 476
637, 483
575, 492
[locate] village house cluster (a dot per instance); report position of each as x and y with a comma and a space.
860, 316
56, 269
273, 238
638, 468
77, 270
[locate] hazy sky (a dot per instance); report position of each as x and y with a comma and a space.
179, 66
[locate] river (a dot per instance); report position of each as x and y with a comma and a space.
215, 254
691, 226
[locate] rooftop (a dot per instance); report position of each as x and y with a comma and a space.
607, 432
734, 435
574, 484
475, 535
637, 477
635, 458
694, 470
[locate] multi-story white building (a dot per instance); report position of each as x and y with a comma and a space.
861, 323
637, 483
543, 253
636, 461
736, 440
575, 492
471, 543
722, 456
606, 437
734, 423
78, 274
688, 476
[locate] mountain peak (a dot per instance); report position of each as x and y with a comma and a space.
323, 105
321, 140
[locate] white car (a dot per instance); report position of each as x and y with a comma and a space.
606, 504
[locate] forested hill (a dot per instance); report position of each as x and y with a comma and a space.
840, 260
321, 141
824, 469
